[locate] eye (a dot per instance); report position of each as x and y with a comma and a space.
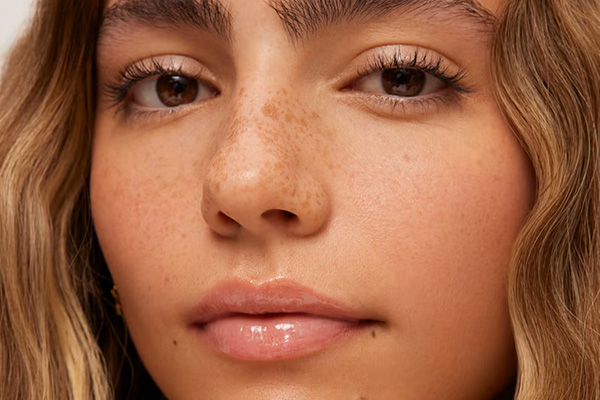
169, 91
400, 82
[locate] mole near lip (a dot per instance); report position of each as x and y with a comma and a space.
273, 321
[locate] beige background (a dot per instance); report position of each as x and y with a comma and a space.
13, 17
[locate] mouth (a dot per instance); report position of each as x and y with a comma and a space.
274, 321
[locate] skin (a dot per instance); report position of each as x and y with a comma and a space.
408, 216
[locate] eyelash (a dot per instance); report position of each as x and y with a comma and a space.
423, 62
119, 90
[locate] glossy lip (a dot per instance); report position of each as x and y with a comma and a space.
227, 313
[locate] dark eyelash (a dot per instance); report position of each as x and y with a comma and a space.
422, 62
118, 90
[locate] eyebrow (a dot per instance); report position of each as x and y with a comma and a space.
302, 18
206, 15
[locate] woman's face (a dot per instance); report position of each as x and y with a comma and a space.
309, 199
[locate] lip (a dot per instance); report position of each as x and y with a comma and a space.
273, 321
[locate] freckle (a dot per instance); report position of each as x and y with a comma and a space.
174, 342
373, 334
270, 110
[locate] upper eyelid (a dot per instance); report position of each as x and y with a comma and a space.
401, 54
159, 64
416, 60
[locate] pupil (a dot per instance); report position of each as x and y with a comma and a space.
403, 82
178, 87
175, 90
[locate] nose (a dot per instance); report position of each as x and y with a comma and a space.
257, 182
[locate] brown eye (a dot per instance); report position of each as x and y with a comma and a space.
403, 82
175, 90
171, 91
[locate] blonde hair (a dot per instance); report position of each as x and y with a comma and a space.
48, 349
546, 60
60, 340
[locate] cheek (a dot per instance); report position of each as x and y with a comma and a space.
442, 225
449, 203
146, 213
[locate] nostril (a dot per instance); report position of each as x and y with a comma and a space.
279, 216
226, 219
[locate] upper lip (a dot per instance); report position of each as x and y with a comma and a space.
237, 297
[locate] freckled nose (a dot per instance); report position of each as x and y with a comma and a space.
257, 182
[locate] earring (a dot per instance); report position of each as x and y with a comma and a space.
115, 295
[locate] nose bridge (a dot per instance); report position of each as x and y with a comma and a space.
256, 181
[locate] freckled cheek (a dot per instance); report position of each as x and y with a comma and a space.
144, 218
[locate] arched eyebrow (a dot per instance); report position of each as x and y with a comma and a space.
303, 18
206, 15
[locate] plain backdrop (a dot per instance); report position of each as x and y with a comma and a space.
14, 15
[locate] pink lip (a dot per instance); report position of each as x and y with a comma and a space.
273, 321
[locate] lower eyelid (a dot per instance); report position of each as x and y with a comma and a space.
140, 115
401, 107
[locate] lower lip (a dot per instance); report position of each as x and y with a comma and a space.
275, 337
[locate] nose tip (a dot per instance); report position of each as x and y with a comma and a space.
263, 192
264, 211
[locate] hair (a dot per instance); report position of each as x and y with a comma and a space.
59, 337
546, 59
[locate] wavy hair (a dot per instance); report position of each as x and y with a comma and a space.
546, 59
59, 338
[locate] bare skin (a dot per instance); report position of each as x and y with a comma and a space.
406, 211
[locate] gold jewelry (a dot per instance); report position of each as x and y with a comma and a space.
115, 295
